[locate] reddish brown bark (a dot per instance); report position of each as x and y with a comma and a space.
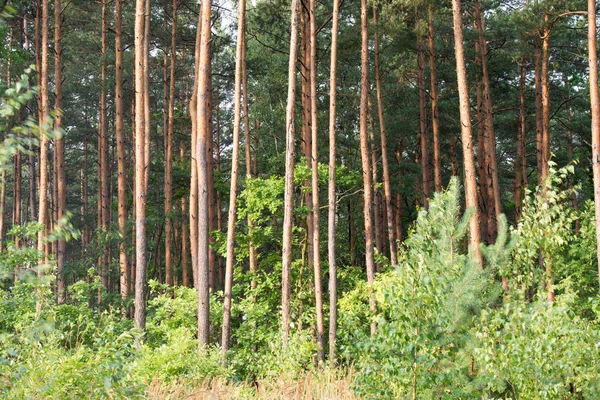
595, 109
121, 167
467, 139
286, 259
331, 193
364, 155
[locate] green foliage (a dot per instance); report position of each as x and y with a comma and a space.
537, 351
425, 309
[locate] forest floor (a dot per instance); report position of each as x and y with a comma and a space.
316, 384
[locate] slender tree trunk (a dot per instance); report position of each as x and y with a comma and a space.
306, 119
426, 185
545, 82
398, 213
466, 136
364, 155
376, 204
140, 192
595, 108
18, 163
61, 201
484, 199
169, 152
213, 274
252, 256
44, 141
331, 192
203, 105
121, 167
185, 268
492, 167
520, 162
435, 124
103, 152
570, 149
539, 120
384, 156
219, 200
315, 187
3, 174
286, 259
231, 218
194, 166
545, 145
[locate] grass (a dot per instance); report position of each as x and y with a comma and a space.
316, 384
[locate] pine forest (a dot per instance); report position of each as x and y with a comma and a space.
299, 199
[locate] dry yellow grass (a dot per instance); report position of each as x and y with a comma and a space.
319, 384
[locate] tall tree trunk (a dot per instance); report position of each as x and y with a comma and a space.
252, 256
169, 152
194, 167
185, 268
424, 135
202, 117
520, 162
435, 124
484, 199
61, 184
140, 192
3, 174
466, 136
231, 218
121, 167
364, 155
103, 153
595, 108
539, 119
492, 165
219, 200
398, 213
570, 149
44, 141
384, 156
331, 192
288, 208
213, 274
315, 187
374, 172
545, 83
306, 119
545, 154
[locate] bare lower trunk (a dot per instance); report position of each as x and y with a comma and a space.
331, 193
140, 192
315, 187
203, 105
364, 155
435, 124
44, 142
545, 82
103, 152
467, 139
520, 162
194, 168
539, 119
185, 268
169, 153
121, 167
384, 156
595, 108
286, 262
231, 217
426, 181
61, 184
